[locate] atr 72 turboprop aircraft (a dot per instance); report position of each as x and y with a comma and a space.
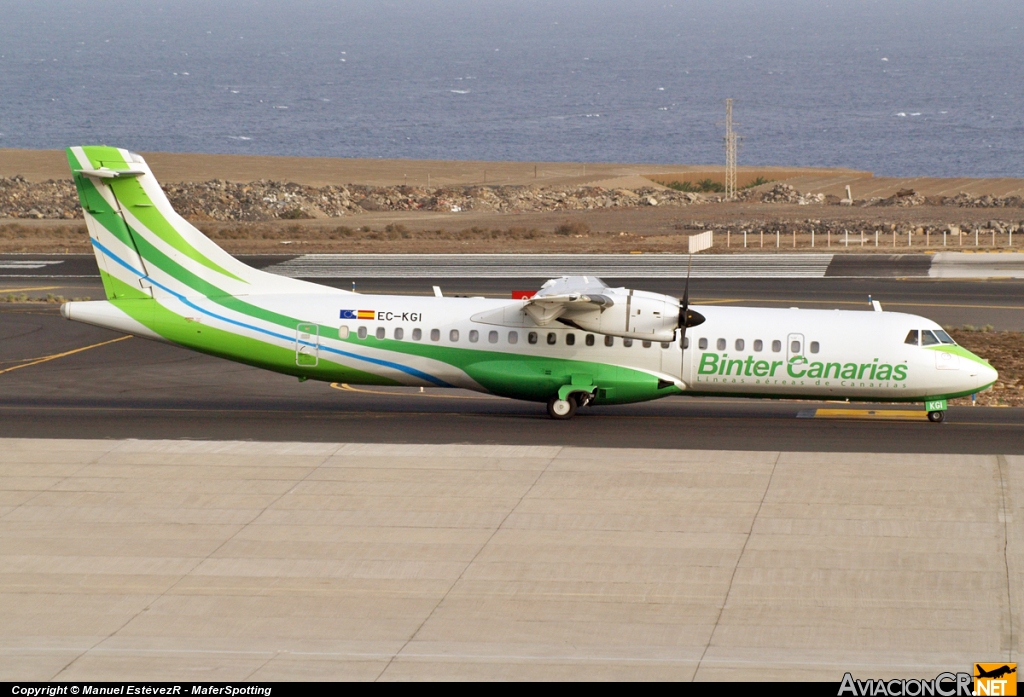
576, 342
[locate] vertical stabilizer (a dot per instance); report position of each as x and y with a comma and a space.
140, 240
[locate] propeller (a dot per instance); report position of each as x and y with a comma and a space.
687, 317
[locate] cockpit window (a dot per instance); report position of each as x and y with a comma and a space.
911, 338
944, 337
928, 338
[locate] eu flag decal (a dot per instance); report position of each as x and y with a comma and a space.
358, 314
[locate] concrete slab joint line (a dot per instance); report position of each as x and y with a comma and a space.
99, 644
739, 559
497, 528
1006, 638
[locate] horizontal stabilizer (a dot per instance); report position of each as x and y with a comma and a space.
105, 173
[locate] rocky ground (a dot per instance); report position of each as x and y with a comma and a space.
262, 201
267, 216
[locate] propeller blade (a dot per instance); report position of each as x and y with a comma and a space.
684, 311
688, 317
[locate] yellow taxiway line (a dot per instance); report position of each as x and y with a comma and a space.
44, 359
868, 414
24, 290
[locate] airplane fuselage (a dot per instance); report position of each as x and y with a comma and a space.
576, 342
492, 345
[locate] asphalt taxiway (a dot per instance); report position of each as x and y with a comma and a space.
166, 515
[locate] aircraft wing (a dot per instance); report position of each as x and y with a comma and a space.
569, 296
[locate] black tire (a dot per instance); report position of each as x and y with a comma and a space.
936, 417
557, 407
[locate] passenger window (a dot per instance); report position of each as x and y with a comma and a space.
532, 337
911, 338
647, 344
794, 346
361, 333
453, 335
552, 338
417, 334
776, 346
492, 337
944, 337
379, 333
721, 344
814, 347
686, 343
513, 337
570, 339
343, 332
740, 344
627, 342
474, 336
399, 333
928, 339
590, 340
666, 344
609, 341
702, 344
758, 345
435, 334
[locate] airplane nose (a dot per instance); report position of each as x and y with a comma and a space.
988, 376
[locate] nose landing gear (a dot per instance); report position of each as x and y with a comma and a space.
936, 409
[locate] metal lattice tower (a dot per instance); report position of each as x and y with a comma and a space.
730, 153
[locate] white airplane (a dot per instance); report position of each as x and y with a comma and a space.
575, 343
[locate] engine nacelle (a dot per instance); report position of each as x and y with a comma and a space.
634, 314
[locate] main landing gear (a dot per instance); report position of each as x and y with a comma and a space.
936, 417
562, 409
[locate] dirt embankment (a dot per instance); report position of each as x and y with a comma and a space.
262, 201
266, 216
1005, 351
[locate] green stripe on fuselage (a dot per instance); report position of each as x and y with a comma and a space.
958, 350
226, 344
534, 378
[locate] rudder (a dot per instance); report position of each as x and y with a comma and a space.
141, 240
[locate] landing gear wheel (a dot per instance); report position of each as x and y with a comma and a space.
937, 417
561, 408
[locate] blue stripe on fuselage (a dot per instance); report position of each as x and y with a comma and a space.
376, 361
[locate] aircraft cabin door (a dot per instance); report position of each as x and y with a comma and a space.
795, 346
307, 344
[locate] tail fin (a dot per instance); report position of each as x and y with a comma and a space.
143, 247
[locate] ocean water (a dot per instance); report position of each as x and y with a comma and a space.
902, 88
